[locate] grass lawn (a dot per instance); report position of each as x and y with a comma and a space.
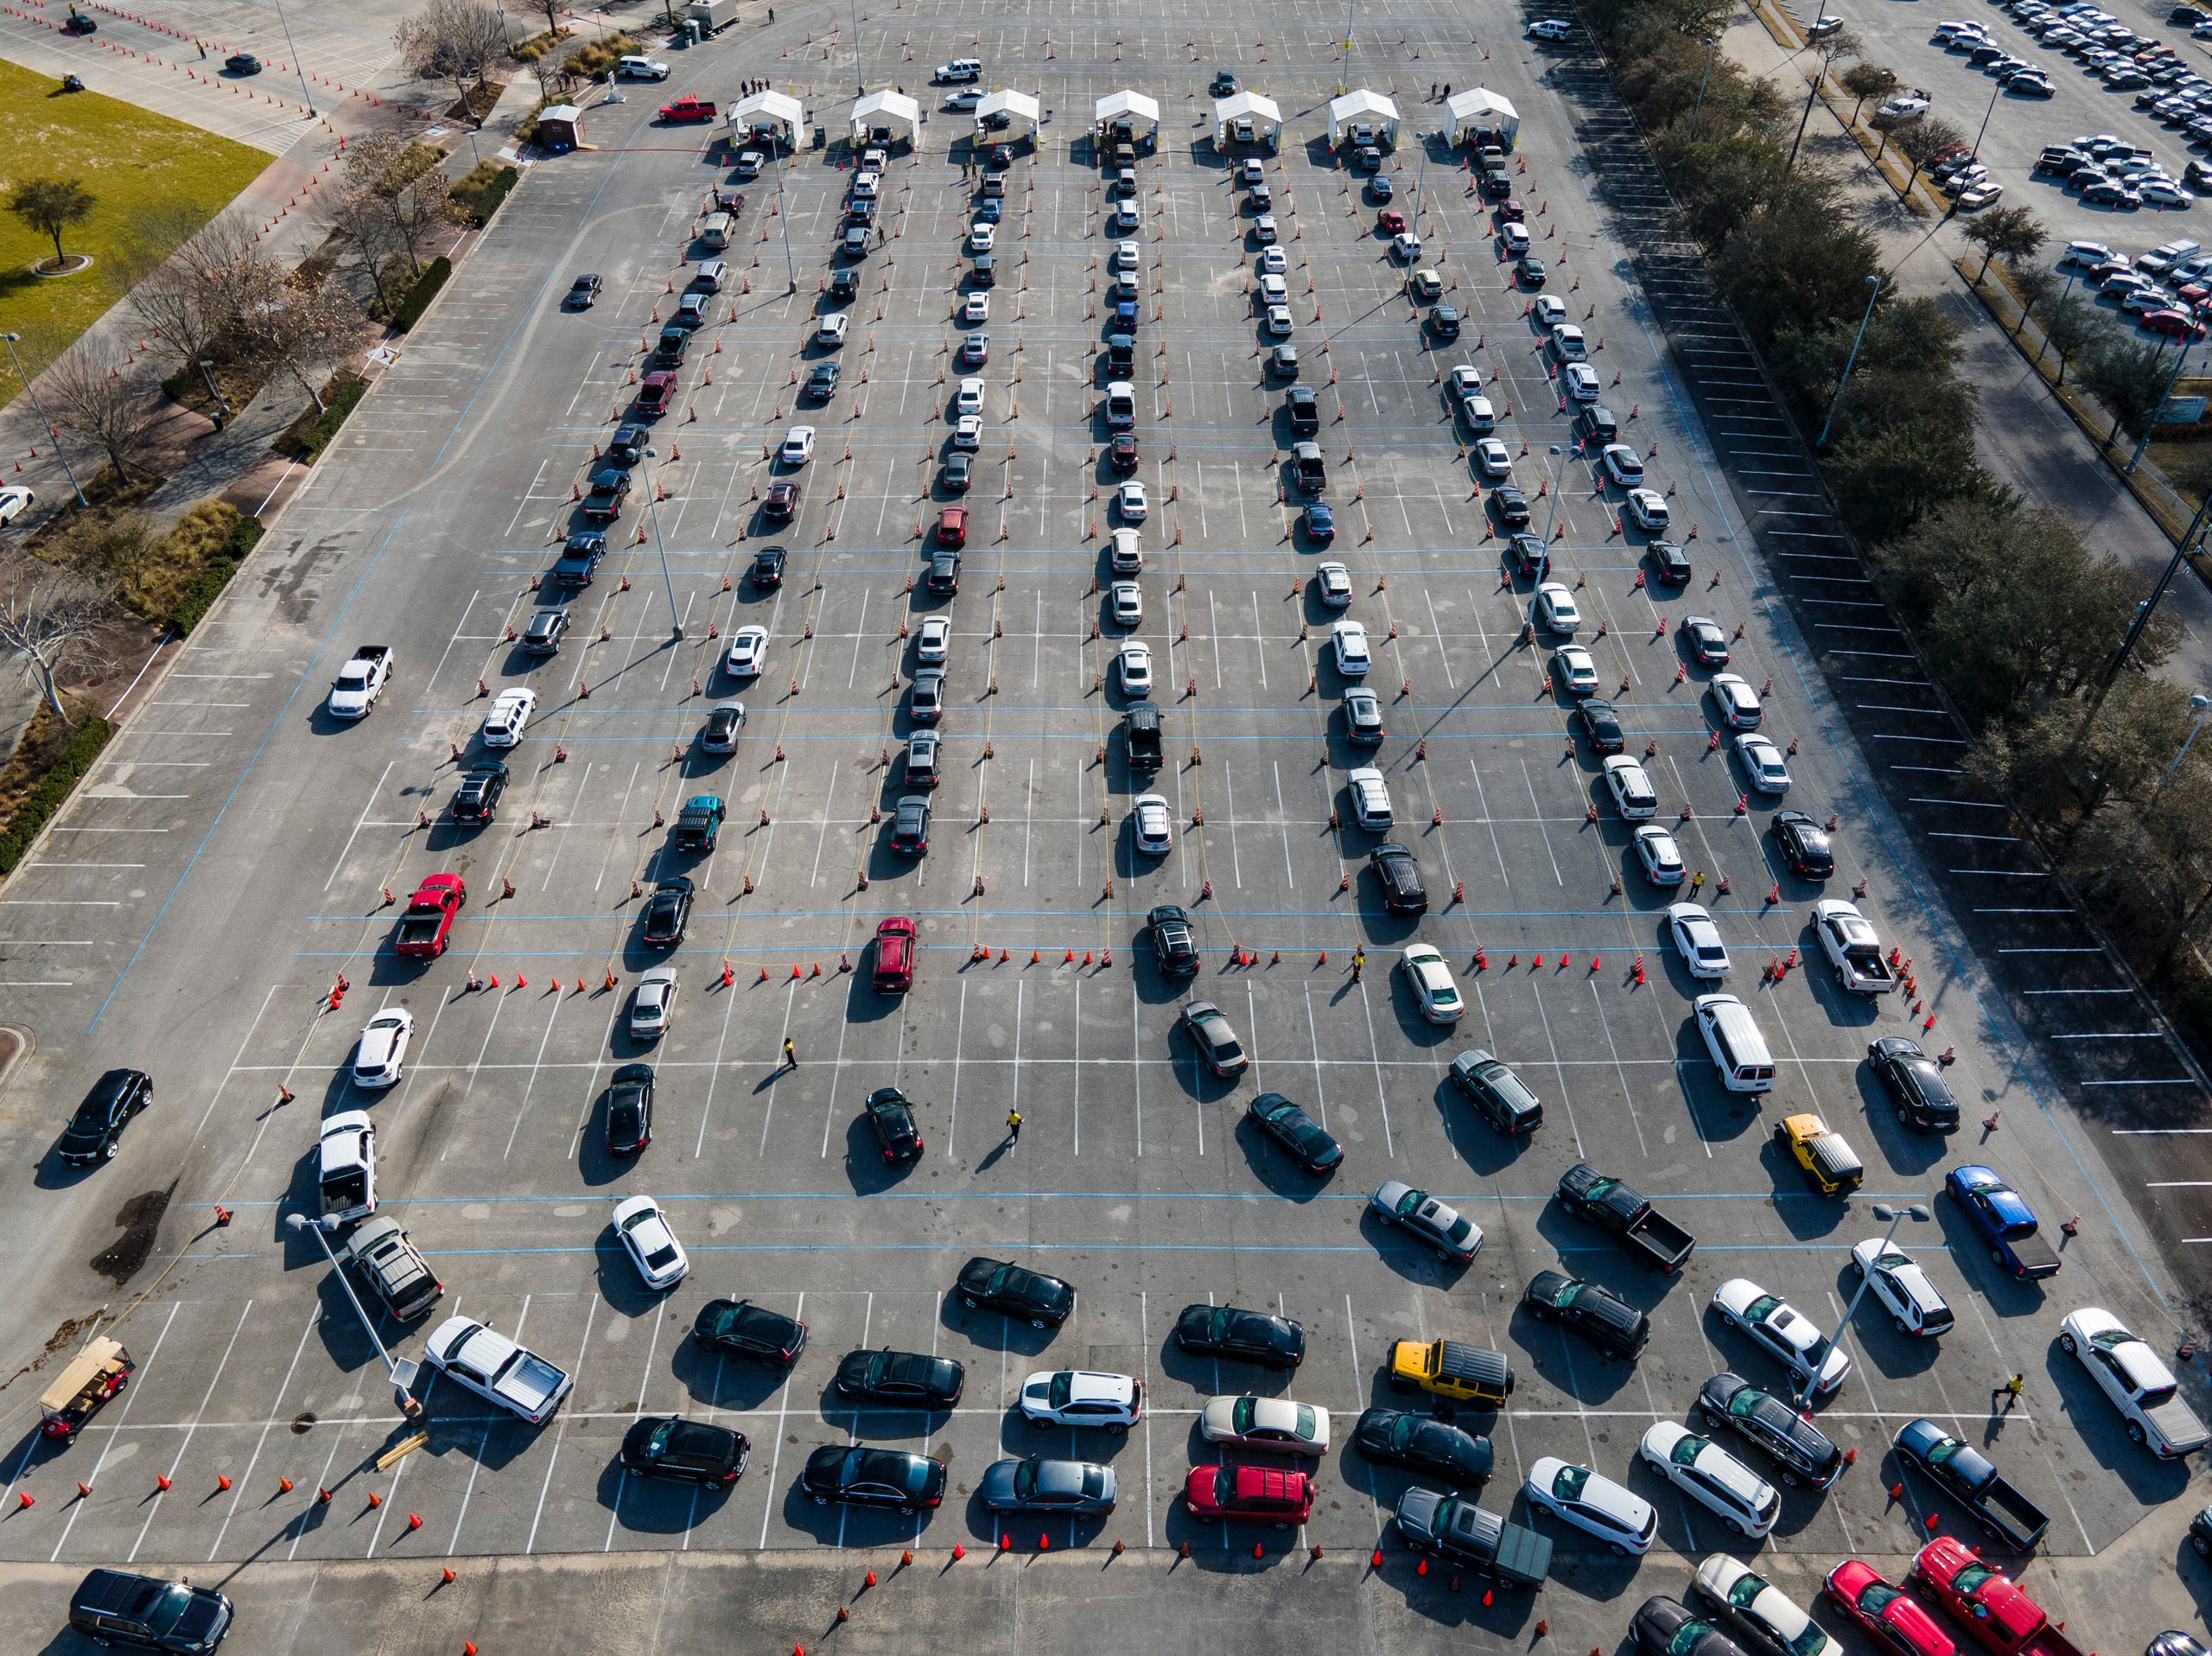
147, 172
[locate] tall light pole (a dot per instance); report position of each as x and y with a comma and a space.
1874, 286
1711, 51
55, 436
1897, 1216
1559, 465
403, 1373
2135, 459
860, 81
286, 24
2204, 705
1344, 81
783, 209
652, 506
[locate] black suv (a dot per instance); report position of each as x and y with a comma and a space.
1175, 951
945, 573
478, 799
668, 912
1798, 1447
1610, 1321
768, 567
1398, 875
111, 1608
1804, 846
92, 1132
1304, 408
910, 829
627, 443
546, 629
1597, 422
1499, 1096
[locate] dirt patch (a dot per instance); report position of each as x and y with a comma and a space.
302, 1424
140, 1221
63, 1338
478, 105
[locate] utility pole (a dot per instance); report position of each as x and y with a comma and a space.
1874, 283
1820, 71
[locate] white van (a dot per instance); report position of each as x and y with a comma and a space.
1732, 1037
714, 229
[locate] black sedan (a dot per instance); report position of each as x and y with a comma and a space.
1804, 846
1216, 1043
1601, 726
909, 828
1530, 270
1915, 1085
1248, 1336
1707, 640
1307, 1140
855, 1475
891, 1116
907, 1377
1798, 1447
669, 1446
1666, 1627
1174, 948
630, 1109
1041, 1300
668, 911
1039, 1485
768, 567
1511, 506
242, 63
481, 791
1612, 1324
1399, 875
583, 293
1424, 1444
741, 1329
95, 1131
1669, 561
1320, 522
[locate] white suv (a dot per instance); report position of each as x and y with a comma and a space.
1712, 1477
1370, 798
1075, 1397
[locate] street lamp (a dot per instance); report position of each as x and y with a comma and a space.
2202, 704
404, 1373
1874, 292
297, 67
652, 506
783, 209
2189, 344
10, 340
1559, 465
207, 373
1897, 1216
1712, 50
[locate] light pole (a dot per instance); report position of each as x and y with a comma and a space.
2202, 704
783, 210
2135, 459
286, 24
652, 506
55, 436
1559, 466
1874, 285
859, 87
207, 373
1819, 73
1711, 51
402, 1373
1344, 81
1897, 1216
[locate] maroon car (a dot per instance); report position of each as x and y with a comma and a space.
1121, 455
782, 501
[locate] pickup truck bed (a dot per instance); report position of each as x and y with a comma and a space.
1606, 1203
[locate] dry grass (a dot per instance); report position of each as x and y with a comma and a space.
43, 740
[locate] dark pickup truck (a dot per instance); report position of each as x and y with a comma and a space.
1612, 1205
699, 822
1967, 1474
1462, 1533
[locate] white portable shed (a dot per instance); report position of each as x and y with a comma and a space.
1128, 110
1477, 112
1358, 107
1261, 113
770, 109
885, 115
1019, 109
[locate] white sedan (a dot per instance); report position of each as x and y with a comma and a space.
1494, 457
1126, 255
933, 643
1661, 857
968, 431
1648, 506
2158, 192
1129, 501
1697, 939
1134, 663
1728, 1584
1622, 1520
1738, 703
1478, 412
1555, 607
509, 713
1786, 1333
1624, 465
1273, 261
748, 651
650, 1242
1258, 1423
1348, 639
798, 446
653, 1003
1578, 671
975, 307
1763, 765
969, 399
1151, 825
1429, 977
1712, 1477
382, 1051
14, 499
981, 236
1581, 382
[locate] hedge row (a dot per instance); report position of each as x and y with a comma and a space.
317, 436
494, 192
200, 597
76, 759
418, 298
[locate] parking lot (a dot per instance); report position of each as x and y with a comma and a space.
1134, 1176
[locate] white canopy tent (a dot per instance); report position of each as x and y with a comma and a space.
1126, 110
1475, 112
775, 109
1261, 113
885, 114
1362, 106
1021, 109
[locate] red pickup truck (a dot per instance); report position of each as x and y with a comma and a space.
1995, 1611
688, 108
423, 927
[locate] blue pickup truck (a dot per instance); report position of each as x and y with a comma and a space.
2005, 1221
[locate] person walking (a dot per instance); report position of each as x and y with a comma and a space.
1447, 89
1013, 1126
791, 1053
2009, 1392
1432, 91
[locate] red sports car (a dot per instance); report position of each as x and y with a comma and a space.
1213, 1492
1994, 1609
1895, 1622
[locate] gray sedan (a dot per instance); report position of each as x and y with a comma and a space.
1039, 1485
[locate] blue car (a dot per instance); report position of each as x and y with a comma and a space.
1320, 522
991, 210
1125, 316
2005, 1221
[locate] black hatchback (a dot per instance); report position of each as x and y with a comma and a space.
112, 1607
695, 1451
1174, 948
94, 1132
891, 1116
1399, 874
1307, 1141
1914, 1082
741, 1329
1797, 1446
630, 1109
910, 829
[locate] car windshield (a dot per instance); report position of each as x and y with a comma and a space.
1686, 1452
1878, 1597
162, 1617
1568, 1485
1686, 1638
1969, 1579
656, 1445
1025, 1479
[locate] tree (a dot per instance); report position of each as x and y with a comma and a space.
1924, 137
43, 624
2069, 760
2011, 232
1865, 80
112, 550
190, 301
552, 10
2129, 377
51, 206
456, 41
407, 185
2069, 323
359, 215
299, 329
90, 395
2034, 284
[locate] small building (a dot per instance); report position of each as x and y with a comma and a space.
886, 117
1481, 117
1247, 117
1126, 118
1007, 114
766, 115
561, 128
1361, 107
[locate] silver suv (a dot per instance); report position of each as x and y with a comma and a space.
393, 1266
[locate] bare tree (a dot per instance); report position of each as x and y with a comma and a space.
456, 41
408, 186
361, 217
191, 299
42, 625
112, 550
89, 395
297, 330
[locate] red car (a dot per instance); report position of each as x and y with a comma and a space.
688, 108
1511, 211
1213, 1492
655, 391
952, 526
894, 955
781, 503
1122, 453
1994, 1610
1390, 221
1895, 1622
2175, 323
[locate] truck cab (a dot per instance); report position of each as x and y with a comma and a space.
1450, 1369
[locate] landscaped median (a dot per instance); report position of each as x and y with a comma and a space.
64, 771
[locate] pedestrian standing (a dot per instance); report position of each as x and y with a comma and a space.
1013, 1126
1447, 89
203, 51
1358, 964
1697, 881
791, 1053
1432, 91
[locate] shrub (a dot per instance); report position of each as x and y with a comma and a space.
343, 396
47, 797
481, 192
200, 597
418, 298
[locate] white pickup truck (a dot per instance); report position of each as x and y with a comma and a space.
2141, 1386
360, 681
495, 1368
1852, 947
